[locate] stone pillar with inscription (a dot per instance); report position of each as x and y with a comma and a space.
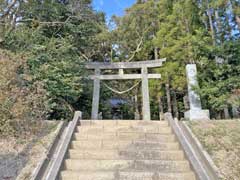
196, 112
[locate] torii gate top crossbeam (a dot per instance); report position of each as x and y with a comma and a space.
125, 76
126, 65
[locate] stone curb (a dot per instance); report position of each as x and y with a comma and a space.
198, 164
38, 172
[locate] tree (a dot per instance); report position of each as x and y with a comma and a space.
58, 36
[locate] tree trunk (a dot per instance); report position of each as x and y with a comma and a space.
226, 113
235, 112
136, 113
168, 97
160, 106
205, 22
155, 53
217, 21
211, 24
219, 115
238, 21
175, 105
219, 26
186, 103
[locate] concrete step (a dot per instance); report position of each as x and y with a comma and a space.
74, 175
126, 154
134, 145
125, 150
127, 165
95, 135
138, 129
124, 136
109, 123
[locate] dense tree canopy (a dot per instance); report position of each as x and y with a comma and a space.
186, 31
58, 37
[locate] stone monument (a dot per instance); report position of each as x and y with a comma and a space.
196, 112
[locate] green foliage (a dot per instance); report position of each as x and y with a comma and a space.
58, 38
135, 31
220, 82
185, 32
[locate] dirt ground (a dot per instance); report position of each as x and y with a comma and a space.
221, 139
20, 156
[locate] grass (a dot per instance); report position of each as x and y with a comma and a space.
221, 139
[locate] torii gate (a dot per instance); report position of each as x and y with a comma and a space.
143, 65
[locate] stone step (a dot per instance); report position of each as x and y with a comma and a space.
126, 154
108, 123
124, 136
74, 175
134, 145
136, 129
127, 165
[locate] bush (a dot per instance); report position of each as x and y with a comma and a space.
20, 101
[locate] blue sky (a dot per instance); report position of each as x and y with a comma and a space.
111, 7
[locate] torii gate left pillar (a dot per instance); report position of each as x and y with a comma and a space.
144, 76
96, 95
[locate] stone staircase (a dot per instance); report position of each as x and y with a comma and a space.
125, 150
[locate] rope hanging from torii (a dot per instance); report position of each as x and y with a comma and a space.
121, 92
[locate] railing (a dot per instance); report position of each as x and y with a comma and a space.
57, 162
201, 165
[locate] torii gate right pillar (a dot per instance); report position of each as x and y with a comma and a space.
145, 95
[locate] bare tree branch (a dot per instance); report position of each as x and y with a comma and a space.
137, 50
52, 23
8, 9
84, 56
